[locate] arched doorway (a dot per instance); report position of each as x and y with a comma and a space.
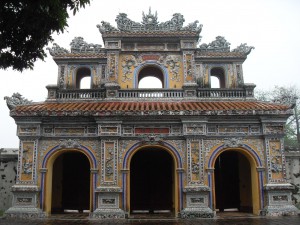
233, 182
152, 182
70, 183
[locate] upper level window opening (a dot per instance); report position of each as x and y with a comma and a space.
85, 83
217, 78
83, 78
150, 77
150, 82
214, 82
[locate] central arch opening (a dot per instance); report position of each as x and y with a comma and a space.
150, 77
71, 183
233, 185
152, 182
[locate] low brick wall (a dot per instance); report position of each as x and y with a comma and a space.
293, 172
8, 172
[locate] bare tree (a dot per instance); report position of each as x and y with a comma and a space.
286, 95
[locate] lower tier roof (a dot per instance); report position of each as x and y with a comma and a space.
145, 108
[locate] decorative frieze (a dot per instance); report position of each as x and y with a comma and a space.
109, 130
28, 130
273, 129
113, 44
70, 131
194, 129
233, 129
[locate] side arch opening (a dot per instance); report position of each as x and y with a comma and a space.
83, 78
217, 78
236, 182
68, 185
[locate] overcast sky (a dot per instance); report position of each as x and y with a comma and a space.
271, 26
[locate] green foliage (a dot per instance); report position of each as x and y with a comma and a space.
286, 95
1, 213
26, 26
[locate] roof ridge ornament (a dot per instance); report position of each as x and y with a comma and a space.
222, 45
149, 23
15, 100
243, 48
218, 45
57, 50
78, 45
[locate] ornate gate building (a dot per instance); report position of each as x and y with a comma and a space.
186, 149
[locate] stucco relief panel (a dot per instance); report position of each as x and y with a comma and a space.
109, 165
188, 66
276, 160
112, 66
194, 162
27, 162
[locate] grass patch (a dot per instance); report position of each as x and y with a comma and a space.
1, 213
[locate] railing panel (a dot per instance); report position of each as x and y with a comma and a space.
80, 94
91, 94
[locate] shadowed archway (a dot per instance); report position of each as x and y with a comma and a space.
71, 183
152, 181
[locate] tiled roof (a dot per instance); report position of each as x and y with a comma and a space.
150, 34
79, 55
161, 108
211, 54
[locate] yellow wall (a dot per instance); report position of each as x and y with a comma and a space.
129, 63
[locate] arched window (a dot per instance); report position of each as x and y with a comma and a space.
217, 78
150, 77
214, 82
150, 82
83, 78
85, 83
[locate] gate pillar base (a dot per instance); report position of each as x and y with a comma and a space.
197, 203
279, 200
191, 213
108, 214
108, 203
25, 203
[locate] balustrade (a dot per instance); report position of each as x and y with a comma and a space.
92, 94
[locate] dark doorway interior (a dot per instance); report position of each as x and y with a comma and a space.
71, 183
151, 181
233, 182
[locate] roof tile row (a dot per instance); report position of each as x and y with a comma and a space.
150, 106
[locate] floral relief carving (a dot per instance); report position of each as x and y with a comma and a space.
173, 62
276, 160
127, 64
109, 161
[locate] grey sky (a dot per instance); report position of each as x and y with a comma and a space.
271, 26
